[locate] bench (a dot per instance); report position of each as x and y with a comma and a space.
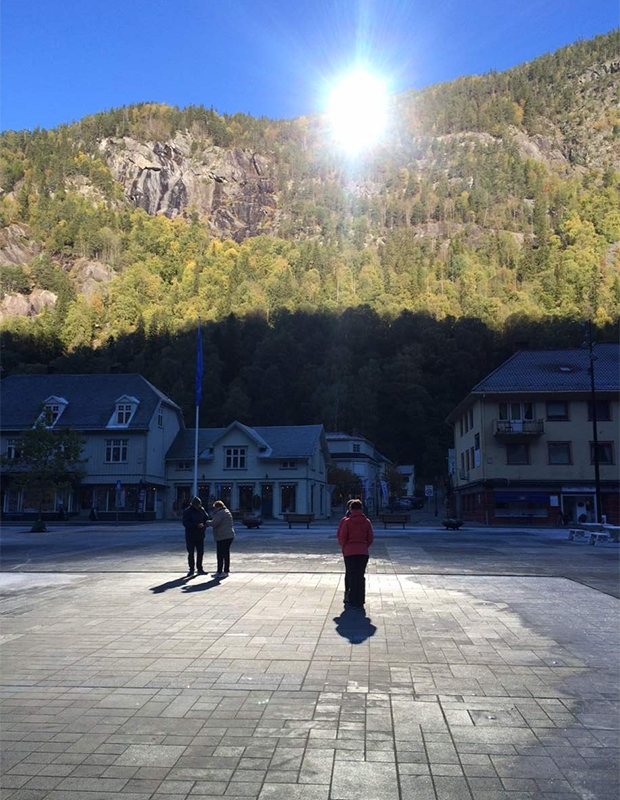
307, 518
592, 536
396, 519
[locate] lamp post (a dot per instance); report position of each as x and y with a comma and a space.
597, 471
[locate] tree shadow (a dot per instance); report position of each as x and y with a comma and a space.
354, 625
202, 587
163, 587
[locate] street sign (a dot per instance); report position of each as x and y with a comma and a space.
428, 490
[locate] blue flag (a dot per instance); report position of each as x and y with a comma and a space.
199, 367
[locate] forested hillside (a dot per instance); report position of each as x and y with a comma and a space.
494, 200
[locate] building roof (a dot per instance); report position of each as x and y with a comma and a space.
284, 441
555, 371
91, 400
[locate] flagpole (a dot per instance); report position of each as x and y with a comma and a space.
199, 368
195, 484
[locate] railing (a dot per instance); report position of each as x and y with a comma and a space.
512, 427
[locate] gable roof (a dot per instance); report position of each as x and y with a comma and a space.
284, 441
91, 399
555, 371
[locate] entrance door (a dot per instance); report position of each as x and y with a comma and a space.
266, 500
578, 507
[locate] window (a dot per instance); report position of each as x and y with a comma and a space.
160, 417
51, 414
288, 465
235, 457
116, 451
516, 411
517, 454
477, 441
463, 461
181, 465
123, 413
471, 417
466, 422
559, 452
603, 410
288, 498
473, 460
557, 410
225, 493
12, 449
357, 448
467, 458
605, 453
246, 498
461, 425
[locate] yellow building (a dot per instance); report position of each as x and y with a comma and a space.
523, 440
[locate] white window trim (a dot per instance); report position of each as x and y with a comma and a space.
122, 444
126, 401
239, 452
60, 403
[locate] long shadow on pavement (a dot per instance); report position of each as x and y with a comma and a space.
163, 587
354, 625
201, 587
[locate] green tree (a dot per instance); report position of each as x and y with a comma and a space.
47, 459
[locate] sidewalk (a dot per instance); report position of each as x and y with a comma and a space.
147, 685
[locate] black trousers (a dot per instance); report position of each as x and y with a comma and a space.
223, 555
354, 580
195, 542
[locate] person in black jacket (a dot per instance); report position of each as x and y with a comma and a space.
195, 523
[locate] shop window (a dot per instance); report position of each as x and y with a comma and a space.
116, 451
235, 457
225, 494
517, 454
605, 453
557, 410
246, 497
11, 500
603, 410
32, 499
528, 504
288, 498
559, 452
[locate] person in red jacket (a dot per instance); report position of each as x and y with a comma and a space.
355, 536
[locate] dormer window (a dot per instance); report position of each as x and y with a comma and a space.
52, 410
124, 414
124, 411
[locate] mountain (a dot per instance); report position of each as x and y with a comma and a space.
491, 196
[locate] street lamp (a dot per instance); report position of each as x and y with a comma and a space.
597, 471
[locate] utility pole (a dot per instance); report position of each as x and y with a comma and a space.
597, 471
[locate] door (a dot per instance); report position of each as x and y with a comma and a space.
578, 508
266, 500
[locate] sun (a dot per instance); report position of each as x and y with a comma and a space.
357, 111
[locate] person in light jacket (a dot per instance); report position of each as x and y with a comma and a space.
355, 535
223, 534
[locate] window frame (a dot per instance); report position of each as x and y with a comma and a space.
12, 451
111, 445
556, 418
611, 449
517, 463
560, 463
600, 418
235, 457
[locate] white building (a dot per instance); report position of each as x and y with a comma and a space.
272, 470
358, 455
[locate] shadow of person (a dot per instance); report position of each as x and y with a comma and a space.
201, 587
163, 587
354, 625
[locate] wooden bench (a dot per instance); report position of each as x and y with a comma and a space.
307, 518
396, 519
592, 536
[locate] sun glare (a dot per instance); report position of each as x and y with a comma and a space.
357, 111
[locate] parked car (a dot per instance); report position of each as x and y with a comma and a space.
409, 503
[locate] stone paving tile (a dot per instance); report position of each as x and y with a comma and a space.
454, 687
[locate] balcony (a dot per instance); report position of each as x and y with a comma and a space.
515, 429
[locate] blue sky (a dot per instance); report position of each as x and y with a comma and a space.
62, 59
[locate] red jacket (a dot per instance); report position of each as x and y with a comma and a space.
355, 534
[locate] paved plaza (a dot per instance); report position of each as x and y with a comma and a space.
485, 666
